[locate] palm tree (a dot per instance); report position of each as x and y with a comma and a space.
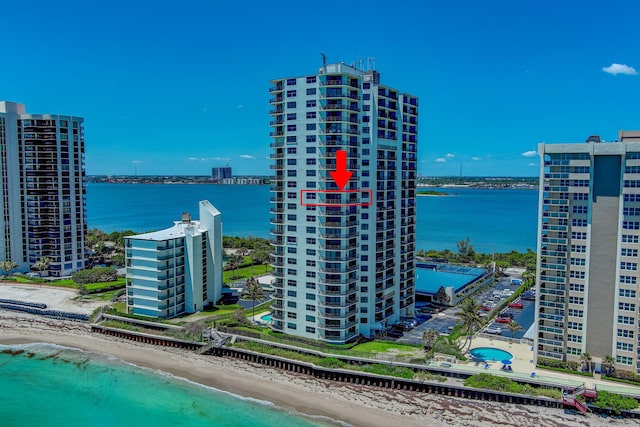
429, 338
253, 290
235, 262
42, 264
8, 267
513, 327
611, 364
586, 358
471, 321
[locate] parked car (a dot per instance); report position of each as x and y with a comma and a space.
486, 308
503, 320
423, 317
529, 296
516, 305
394, 334
493, 330
507, 314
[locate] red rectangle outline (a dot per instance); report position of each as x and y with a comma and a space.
337, 205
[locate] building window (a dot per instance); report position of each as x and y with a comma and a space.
311, 79
291, 116
291, 138
311, 91
292, 294
291, 82
624, 333
627, 293
291, 104
632, 266
311, 297
622, 359
626, 306
631, 280
311, 103
626, 320
311, 114
311, 126
292, 326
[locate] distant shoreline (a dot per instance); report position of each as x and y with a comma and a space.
432, 193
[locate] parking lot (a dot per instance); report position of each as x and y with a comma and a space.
444, 320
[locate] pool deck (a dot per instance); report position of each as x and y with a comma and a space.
522, 366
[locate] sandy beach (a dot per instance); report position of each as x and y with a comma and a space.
352, 404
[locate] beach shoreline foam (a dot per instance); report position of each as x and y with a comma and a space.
350, 404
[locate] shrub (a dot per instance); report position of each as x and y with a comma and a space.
331, 362
95, 275
615, 402
390, 370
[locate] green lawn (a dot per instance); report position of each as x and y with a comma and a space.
243, 273
384, 346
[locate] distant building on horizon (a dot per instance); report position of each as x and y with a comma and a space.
43, 186
344, 261
587, 295
177, 270
219, 174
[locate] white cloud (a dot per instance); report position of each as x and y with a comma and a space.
620, 69
532, 164
240, 106
247, 156
531, 153
450, 155
136, 162
475, 158
441, 160
193, 158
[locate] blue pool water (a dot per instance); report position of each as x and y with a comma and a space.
266, 318
488, 353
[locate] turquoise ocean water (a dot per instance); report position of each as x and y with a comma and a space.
49, 385
494, 220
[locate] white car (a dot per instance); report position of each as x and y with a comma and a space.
493, 330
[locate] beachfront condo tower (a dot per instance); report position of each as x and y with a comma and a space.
177, 270
43, 190
343, 248
588, 241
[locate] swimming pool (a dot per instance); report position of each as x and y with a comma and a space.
489, 353
266, 318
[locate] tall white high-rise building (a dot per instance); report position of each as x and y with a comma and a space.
588, 240
343, 257
43, 189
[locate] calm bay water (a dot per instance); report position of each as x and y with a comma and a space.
494, 220
49, 385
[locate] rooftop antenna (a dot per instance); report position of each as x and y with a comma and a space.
371, 63
324, 61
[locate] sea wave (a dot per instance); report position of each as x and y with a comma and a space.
77, 355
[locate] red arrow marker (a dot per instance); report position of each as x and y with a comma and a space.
341, 175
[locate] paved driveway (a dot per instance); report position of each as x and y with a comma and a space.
447, 318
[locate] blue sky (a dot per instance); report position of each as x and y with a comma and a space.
179, 87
